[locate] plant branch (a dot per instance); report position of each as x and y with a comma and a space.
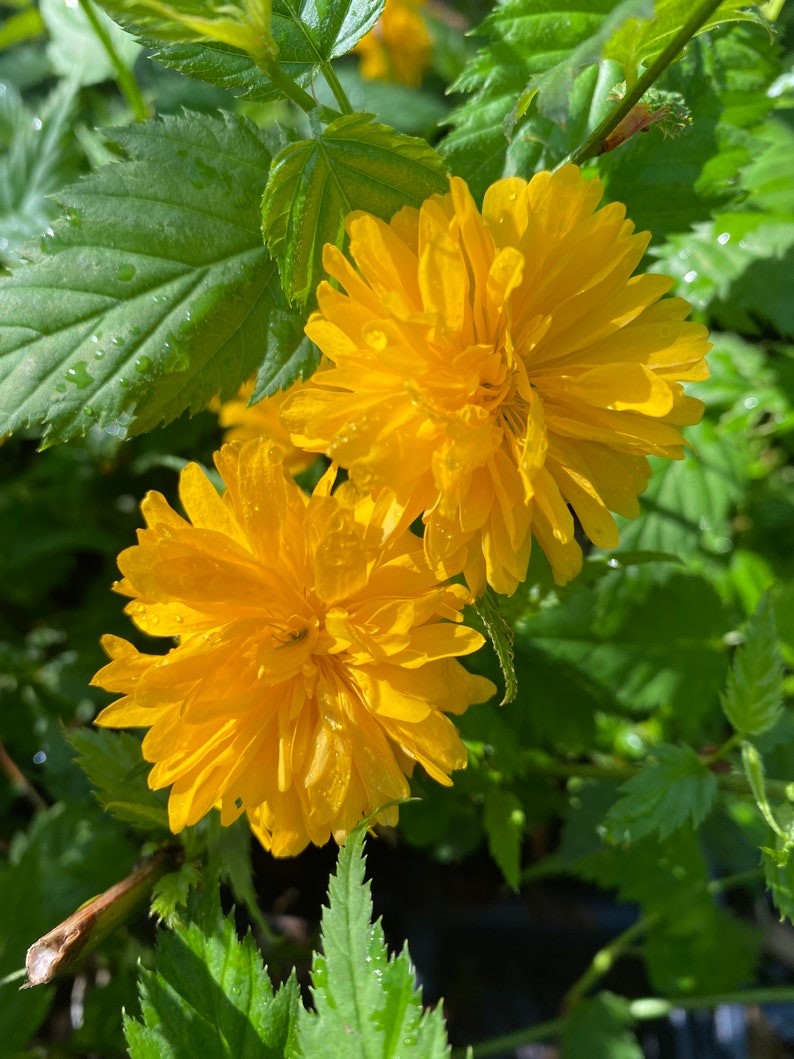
124, 76
594, 142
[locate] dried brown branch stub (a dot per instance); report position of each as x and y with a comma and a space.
59, 950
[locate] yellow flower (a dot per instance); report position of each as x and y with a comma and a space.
314, 665
247, 421
501, 371
399, 48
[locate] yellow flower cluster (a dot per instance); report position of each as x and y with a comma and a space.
501, 374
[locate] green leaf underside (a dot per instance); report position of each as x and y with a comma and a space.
158, 272
366, 1003
211, 996
356, 164
753, 699
307, 32
676, 789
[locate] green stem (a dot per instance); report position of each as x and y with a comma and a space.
294, 92
641, 1010
333, 83
721, 751
595, 141
128, 86
733, 782
605, 959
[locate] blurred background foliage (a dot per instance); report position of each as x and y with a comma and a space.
633, 655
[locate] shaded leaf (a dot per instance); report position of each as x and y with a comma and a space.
504, 821
114, 764
673, 789
158, 272
600, 1026
356, 164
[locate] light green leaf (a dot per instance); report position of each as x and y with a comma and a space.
639, 41
504, 821
20, 27
210, 996
687, 505
600, 1027
74, 49
41, 157
753, 699
171, 892
114, 764
355, 164
366, 1003
778, 863
307, 34
152, 295
673, 789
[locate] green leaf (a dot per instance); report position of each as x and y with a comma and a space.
356, 164
307, 33
639, 41
600, 1027
114, 764
674, 789
500, 633
530, 39
211, 996
687, 506
153, 294
670, 184
171, 892
366, 1003
74, 49
41, 157
289, 355
778, 864
753, 699
504, 821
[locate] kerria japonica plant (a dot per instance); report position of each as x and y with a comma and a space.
392, 320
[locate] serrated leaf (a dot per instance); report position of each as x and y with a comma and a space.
366, 1003
527, 40
289, 355
500, 633
211, 996
687, 504
171, 892
41, 157
600, 1027
753, 699
307, 33
153, 294
504, 820
356, 164
114, 764
674, 789
778, 864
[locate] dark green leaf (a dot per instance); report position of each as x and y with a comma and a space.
500, 634
674, 789
355, 164
600, 1027
753, 698
504, 821
153, 295
366, 1003
211, 996
114, 764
